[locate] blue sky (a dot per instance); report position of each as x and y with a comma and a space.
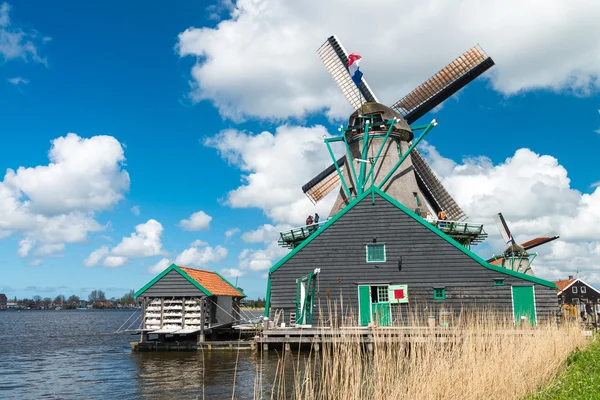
185, 91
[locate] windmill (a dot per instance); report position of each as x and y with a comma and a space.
516, 257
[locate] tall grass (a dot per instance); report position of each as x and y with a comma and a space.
478, 356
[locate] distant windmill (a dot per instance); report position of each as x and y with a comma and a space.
381, 136
516, 257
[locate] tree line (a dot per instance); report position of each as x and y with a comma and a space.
96, 299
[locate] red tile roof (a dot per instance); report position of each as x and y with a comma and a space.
212, 282
562, 284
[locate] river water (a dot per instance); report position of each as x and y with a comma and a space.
72, 355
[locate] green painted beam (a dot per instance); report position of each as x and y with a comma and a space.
361, 183
387, 135
337, 168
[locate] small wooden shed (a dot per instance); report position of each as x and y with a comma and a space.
183, 301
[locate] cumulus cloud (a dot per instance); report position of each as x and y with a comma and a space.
232, 273
115, 261
83, 175
198, 221
18, 81
144, 242
264, 233
553, 47
534, 194
49, 249
25, 247
198, 243
160, 266
261, 259
95, 256
229, 233
135, 210
271, 179
197, 257
16, 42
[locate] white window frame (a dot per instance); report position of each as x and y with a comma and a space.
582, 290
574, 289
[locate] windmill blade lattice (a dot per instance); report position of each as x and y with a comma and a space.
335, 58
444, 84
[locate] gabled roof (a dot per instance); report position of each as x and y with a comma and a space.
562, 285
432, 228
208, 282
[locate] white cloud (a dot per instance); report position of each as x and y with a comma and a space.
95, 256
261, 259
264, 233
232, 273
115, 261
36, 262
198, 221
83, 175
231, 232
17, 43
535, 46
18, 80
160, 266
144, 242
271, 179
534, 194
25, 247
49, 249
135, 210
196, 257
198, 243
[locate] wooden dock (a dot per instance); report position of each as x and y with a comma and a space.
208, 345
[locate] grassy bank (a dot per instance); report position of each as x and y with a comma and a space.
579, 380
479, 358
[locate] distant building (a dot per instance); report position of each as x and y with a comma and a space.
11, 305
575, 291
3, 301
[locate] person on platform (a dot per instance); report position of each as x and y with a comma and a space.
309, 220
418, 211
429, 218
316, 220
442, 217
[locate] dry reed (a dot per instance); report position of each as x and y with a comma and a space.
478, 356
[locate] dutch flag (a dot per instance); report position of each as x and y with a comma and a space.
353, 68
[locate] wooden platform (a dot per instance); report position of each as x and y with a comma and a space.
190, 346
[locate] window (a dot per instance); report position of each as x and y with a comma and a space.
499, 282
582, 289
439, 293
376, 253
379, 294
574, 289
416, 198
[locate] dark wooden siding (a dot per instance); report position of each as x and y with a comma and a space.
590, 293
428, 261
172, 284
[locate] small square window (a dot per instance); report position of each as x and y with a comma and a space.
574, 289
376, 253
439, 293
499, 282
582, 289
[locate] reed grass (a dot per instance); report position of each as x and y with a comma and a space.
480, 355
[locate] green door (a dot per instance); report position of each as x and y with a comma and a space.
364, 305
523, 304
381, 314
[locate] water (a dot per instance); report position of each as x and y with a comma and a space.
71, 355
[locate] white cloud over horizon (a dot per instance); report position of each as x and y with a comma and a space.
16, 42
198, 221
550, 46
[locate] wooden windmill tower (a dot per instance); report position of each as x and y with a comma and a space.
517, 257
383, 137
369, 137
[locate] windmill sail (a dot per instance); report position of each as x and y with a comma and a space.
322, 184
548, 237
503, 228
433, 188
335, 58
444, 84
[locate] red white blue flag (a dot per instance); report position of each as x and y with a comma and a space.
353, 68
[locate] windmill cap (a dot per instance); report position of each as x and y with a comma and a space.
401, 129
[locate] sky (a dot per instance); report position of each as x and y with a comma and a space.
138, 134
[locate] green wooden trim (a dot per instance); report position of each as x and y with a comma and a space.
166, 271
498, 281
229, 283
372, 169
268, 297
337, 168
363, 166
350, 163
368, 251
464, 249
